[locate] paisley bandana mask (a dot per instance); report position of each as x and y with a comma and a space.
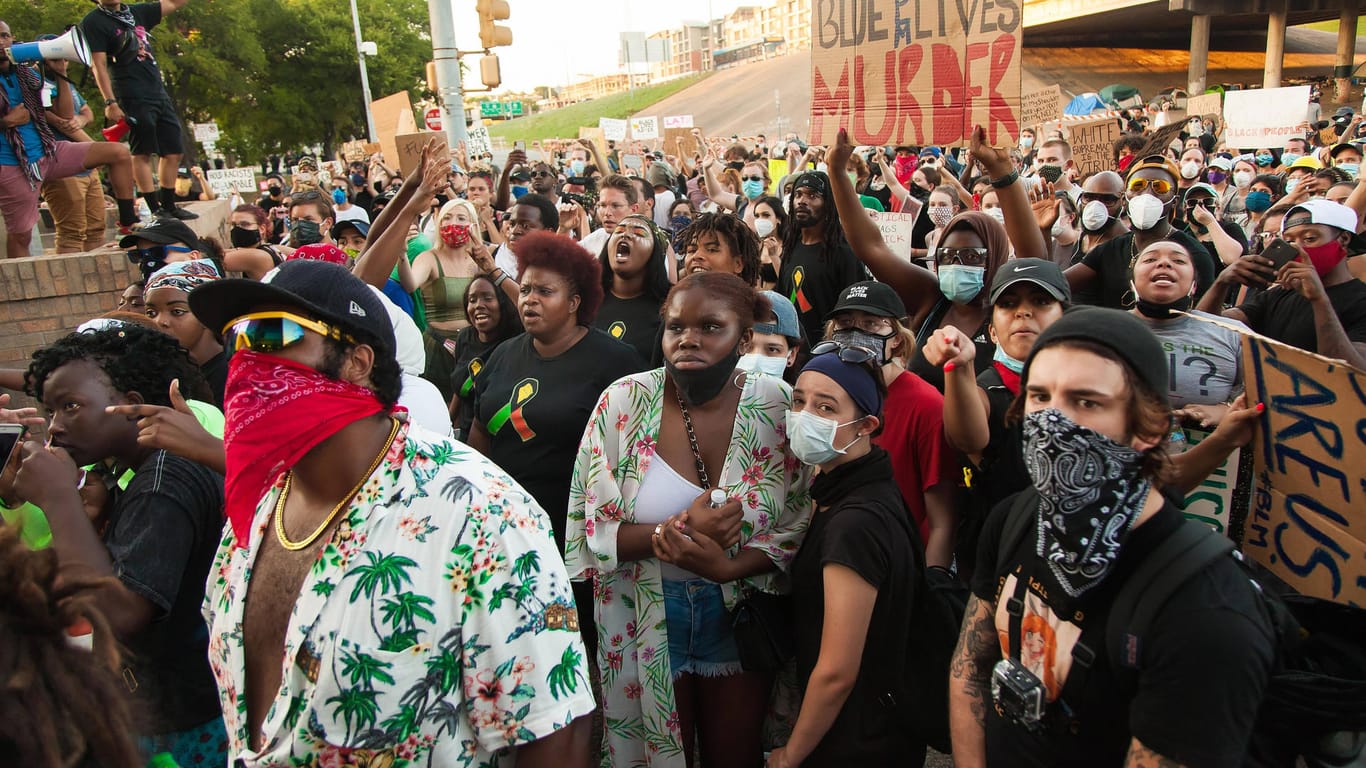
1090, 493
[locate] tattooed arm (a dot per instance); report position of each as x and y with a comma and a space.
1142, 757
978, 651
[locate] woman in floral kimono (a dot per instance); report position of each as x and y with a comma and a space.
667, 564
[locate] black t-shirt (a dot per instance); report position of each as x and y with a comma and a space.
869, 535
470, 356
215, 371
633, 321
161, 538
1113, 262
812, 281
1000, 474
1204, 661
1232, 230
986, 351
132, 63
535, 409
1287, 317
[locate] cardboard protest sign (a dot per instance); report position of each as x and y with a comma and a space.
897, 72
393, 118
353, 151
896, 231
595, 135
1160, 139
477, 140
612, 130
678, 121
691, 146
223, 182
1038, 107
410, 148
1308, 518
1265, 117
1205, 104
1093, 146
1212, 501
644, 128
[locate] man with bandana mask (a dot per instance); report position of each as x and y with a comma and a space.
310, 219
319, 461
1313, 302
1035, 680
1103, 276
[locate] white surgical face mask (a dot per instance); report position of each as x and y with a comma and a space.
763, 227
1242, 179
1190, 169
1145, 211
812, 437
756, 363
1094, 216
998, 214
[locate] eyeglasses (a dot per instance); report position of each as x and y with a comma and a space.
273, 331
1159, 186
541, 174
969, 257
1087, 197
848, 354
751, 178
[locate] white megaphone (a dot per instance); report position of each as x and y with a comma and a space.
70, 46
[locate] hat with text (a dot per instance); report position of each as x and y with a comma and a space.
1041, 272
784, 317
1321, 211
163, 231
318, 289
872, 297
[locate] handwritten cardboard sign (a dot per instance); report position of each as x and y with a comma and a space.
224, 182
898, 72
644, 128
1308, 518
477, 140
1093, 146
1160, 139
612, 129
1038, 107
896, 231
393, 117
1265, 117
1205, 104
1212, 501
410, 148
691, 146
678, 121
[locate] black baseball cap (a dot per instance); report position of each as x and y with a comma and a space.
1041, 272
163, 231
319, 289
872, 297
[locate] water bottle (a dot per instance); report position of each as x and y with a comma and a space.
718, 498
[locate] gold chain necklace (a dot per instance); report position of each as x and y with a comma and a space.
295, 546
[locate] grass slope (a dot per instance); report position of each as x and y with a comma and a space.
566, 121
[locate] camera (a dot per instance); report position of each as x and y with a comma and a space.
1018, 693
580, 200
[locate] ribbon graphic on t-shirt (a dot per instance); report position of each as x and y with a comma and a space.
522, 394
475, 366
798, 297
617, 329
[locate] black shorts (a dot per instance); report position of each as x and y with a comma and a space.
157, 131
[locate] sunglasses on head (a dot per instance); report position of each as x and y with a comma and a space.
273, 331
848, 354
1158, 186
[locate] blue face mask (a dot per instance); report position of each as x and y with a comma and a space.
576, 167
1008, 361
338, 196
1265, 160
752, 189
1289, 157
517, 192
1349, 168
1257, 201
1290, 185
960, 283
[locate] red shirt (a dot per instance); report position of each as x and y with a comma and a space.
913, 435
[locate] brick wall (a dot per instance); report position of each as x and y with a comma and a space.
45, 298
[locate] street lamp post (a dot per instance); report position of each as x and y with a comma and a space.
364, 77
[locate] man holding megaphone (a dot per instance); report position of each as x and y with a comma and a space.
127, 74
30, 153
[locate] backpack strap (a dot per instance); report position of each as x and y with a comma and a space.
1186, 552
1022, 509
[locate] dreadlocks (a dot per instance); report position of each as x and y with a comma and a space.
135, 358
734, 233
61, 705
832, 234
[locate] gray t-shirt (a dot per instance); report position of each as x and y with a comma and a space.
1205, 360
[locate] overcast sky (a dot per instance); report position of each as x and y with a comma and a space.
560, 41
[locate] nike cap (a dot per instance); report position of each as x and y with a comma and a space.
1041, 272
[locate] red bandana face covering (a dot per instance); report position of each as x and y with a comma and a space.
276, 411
455, 235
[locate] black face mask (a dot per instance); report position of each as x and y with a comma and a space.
244, 238
736, 166
274, 191
919, 192
699, 387
1163, 311
303, 232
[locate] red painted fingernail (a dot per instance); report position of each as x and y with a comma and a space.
948, 367
1261, 407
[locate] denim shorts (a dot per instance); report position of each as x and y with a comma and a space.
700, 638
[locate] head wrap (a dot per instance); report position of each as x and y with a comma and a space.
184, 275
853, 378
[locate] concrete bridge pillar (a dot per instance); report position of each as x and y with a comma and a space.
1199, 65
1346, 53
1275, 45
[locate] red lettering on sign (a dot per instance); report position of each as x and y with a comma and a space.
826, 104
999, 112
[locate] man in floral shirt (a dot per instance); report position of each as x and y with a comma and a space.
382, 596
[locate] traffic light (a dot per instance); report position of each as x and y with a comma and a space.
492, 35
489, 72
432, 84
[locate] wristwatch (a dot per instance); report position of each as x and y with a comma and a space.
1006, 180
109, 102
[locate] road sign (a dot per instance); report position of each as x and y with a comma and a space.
433, 119
501, 109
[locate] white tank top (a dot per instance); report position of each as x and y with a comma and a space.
662, 494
